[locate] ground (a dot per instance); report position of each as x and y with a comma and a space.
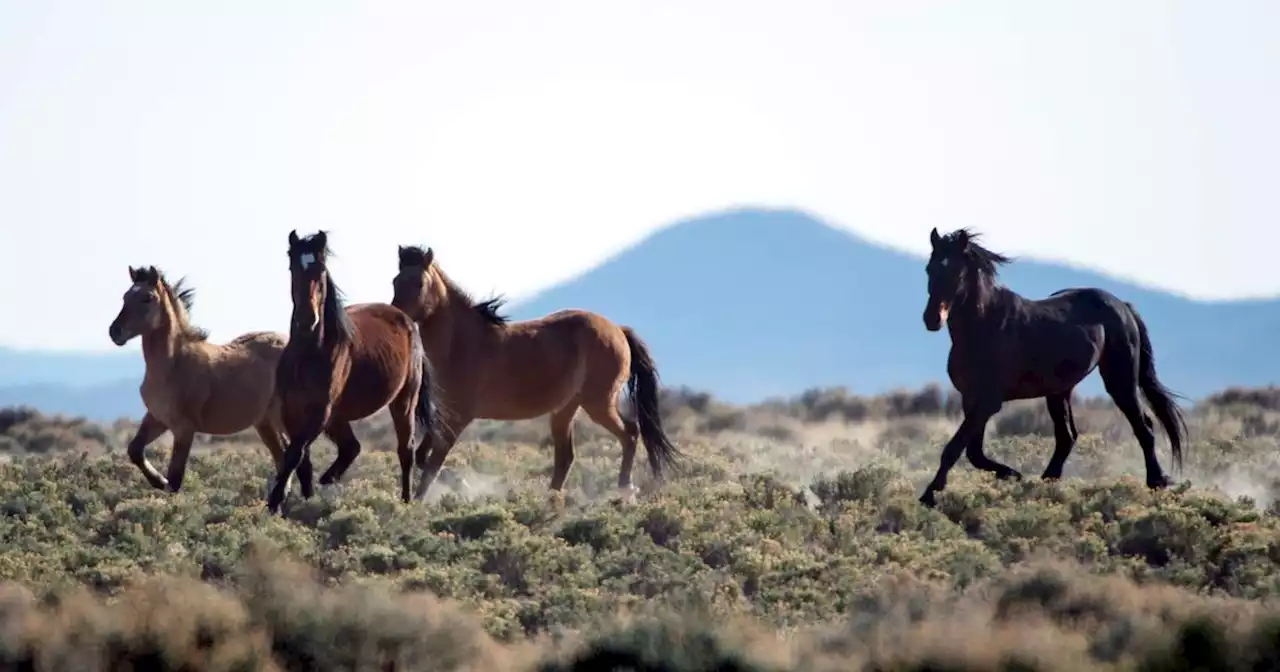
791, 539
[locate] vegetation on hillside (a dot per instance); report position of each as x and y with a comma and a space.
791, 540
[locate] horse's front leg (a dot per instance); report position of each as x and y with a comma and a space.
296, 458
149, 430
979, 459
975, 422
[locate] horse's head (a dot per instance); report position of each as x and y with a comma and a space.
946, 265
417, 290
961, 271
143, 309
310, 278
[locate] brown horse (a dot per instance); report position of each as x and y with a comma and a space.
343, 364
190, 384
487, 367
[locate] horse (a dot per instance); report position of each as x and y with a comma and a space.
489, 367
342, 364
191, 385
1006, 347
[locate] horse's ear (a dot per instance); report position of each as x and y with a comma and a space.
293, 238
428, 258
934, 238
322, 240
133, 274
963, 239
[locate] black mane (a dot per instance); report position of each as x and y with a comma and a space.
489, 310
185, 296
337, 323
981, 266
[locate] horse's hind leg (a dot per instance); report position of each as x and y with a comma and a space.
402, 416
627, 432
149, 430
1119, 369
431, 454
1064, 433
344, 437
562, 437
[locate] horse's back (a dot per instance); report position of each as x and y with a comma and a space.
380, 330
541, 364
382, 355
237, 379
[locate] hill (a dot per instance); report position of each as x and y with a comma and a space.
753, 303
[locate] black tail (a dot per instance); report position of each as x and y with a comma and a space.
1158, 396
643, 388
424, 414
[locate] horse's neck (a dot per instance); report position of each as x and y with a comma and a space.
451, 326
971, 323
160, 349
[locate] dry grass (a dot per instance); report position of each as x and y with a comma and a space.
790, 541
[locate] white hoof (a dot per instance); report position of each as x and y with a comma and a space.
628, 493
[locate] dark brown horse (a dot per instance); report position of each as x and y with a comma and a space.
487, 367
1006, 347
343, 364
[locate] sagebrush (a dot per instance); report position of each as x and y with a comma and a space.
790, 540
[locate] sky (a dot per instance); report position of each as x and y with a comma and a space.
527, 141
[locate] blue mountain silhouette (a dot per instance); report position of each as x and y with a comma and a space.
752, 303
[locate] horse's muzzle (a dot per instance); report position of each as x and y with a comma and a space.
117, 336
935, 316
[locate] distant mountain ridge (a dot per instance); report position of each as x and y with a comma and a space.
751, 303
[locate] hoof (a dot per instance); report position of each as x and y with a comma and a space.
1159, 482
627, 493
1012, 474
928, 500
556, 498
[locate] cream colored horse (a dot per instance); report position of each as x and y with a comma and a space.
190, 384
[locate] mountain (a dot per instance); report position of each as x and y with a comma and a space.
753, 303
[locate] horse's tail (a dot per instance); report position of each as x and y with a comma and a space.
643, 388
1161, 398
424, 414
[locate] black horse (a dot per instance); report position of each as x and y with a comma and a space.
1006, 347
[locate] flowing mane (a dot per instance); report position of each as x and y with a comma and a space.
181, 298
337, 323
489, 310
982, 267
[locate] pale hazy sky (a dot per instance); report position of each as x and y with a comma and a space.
527, 140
